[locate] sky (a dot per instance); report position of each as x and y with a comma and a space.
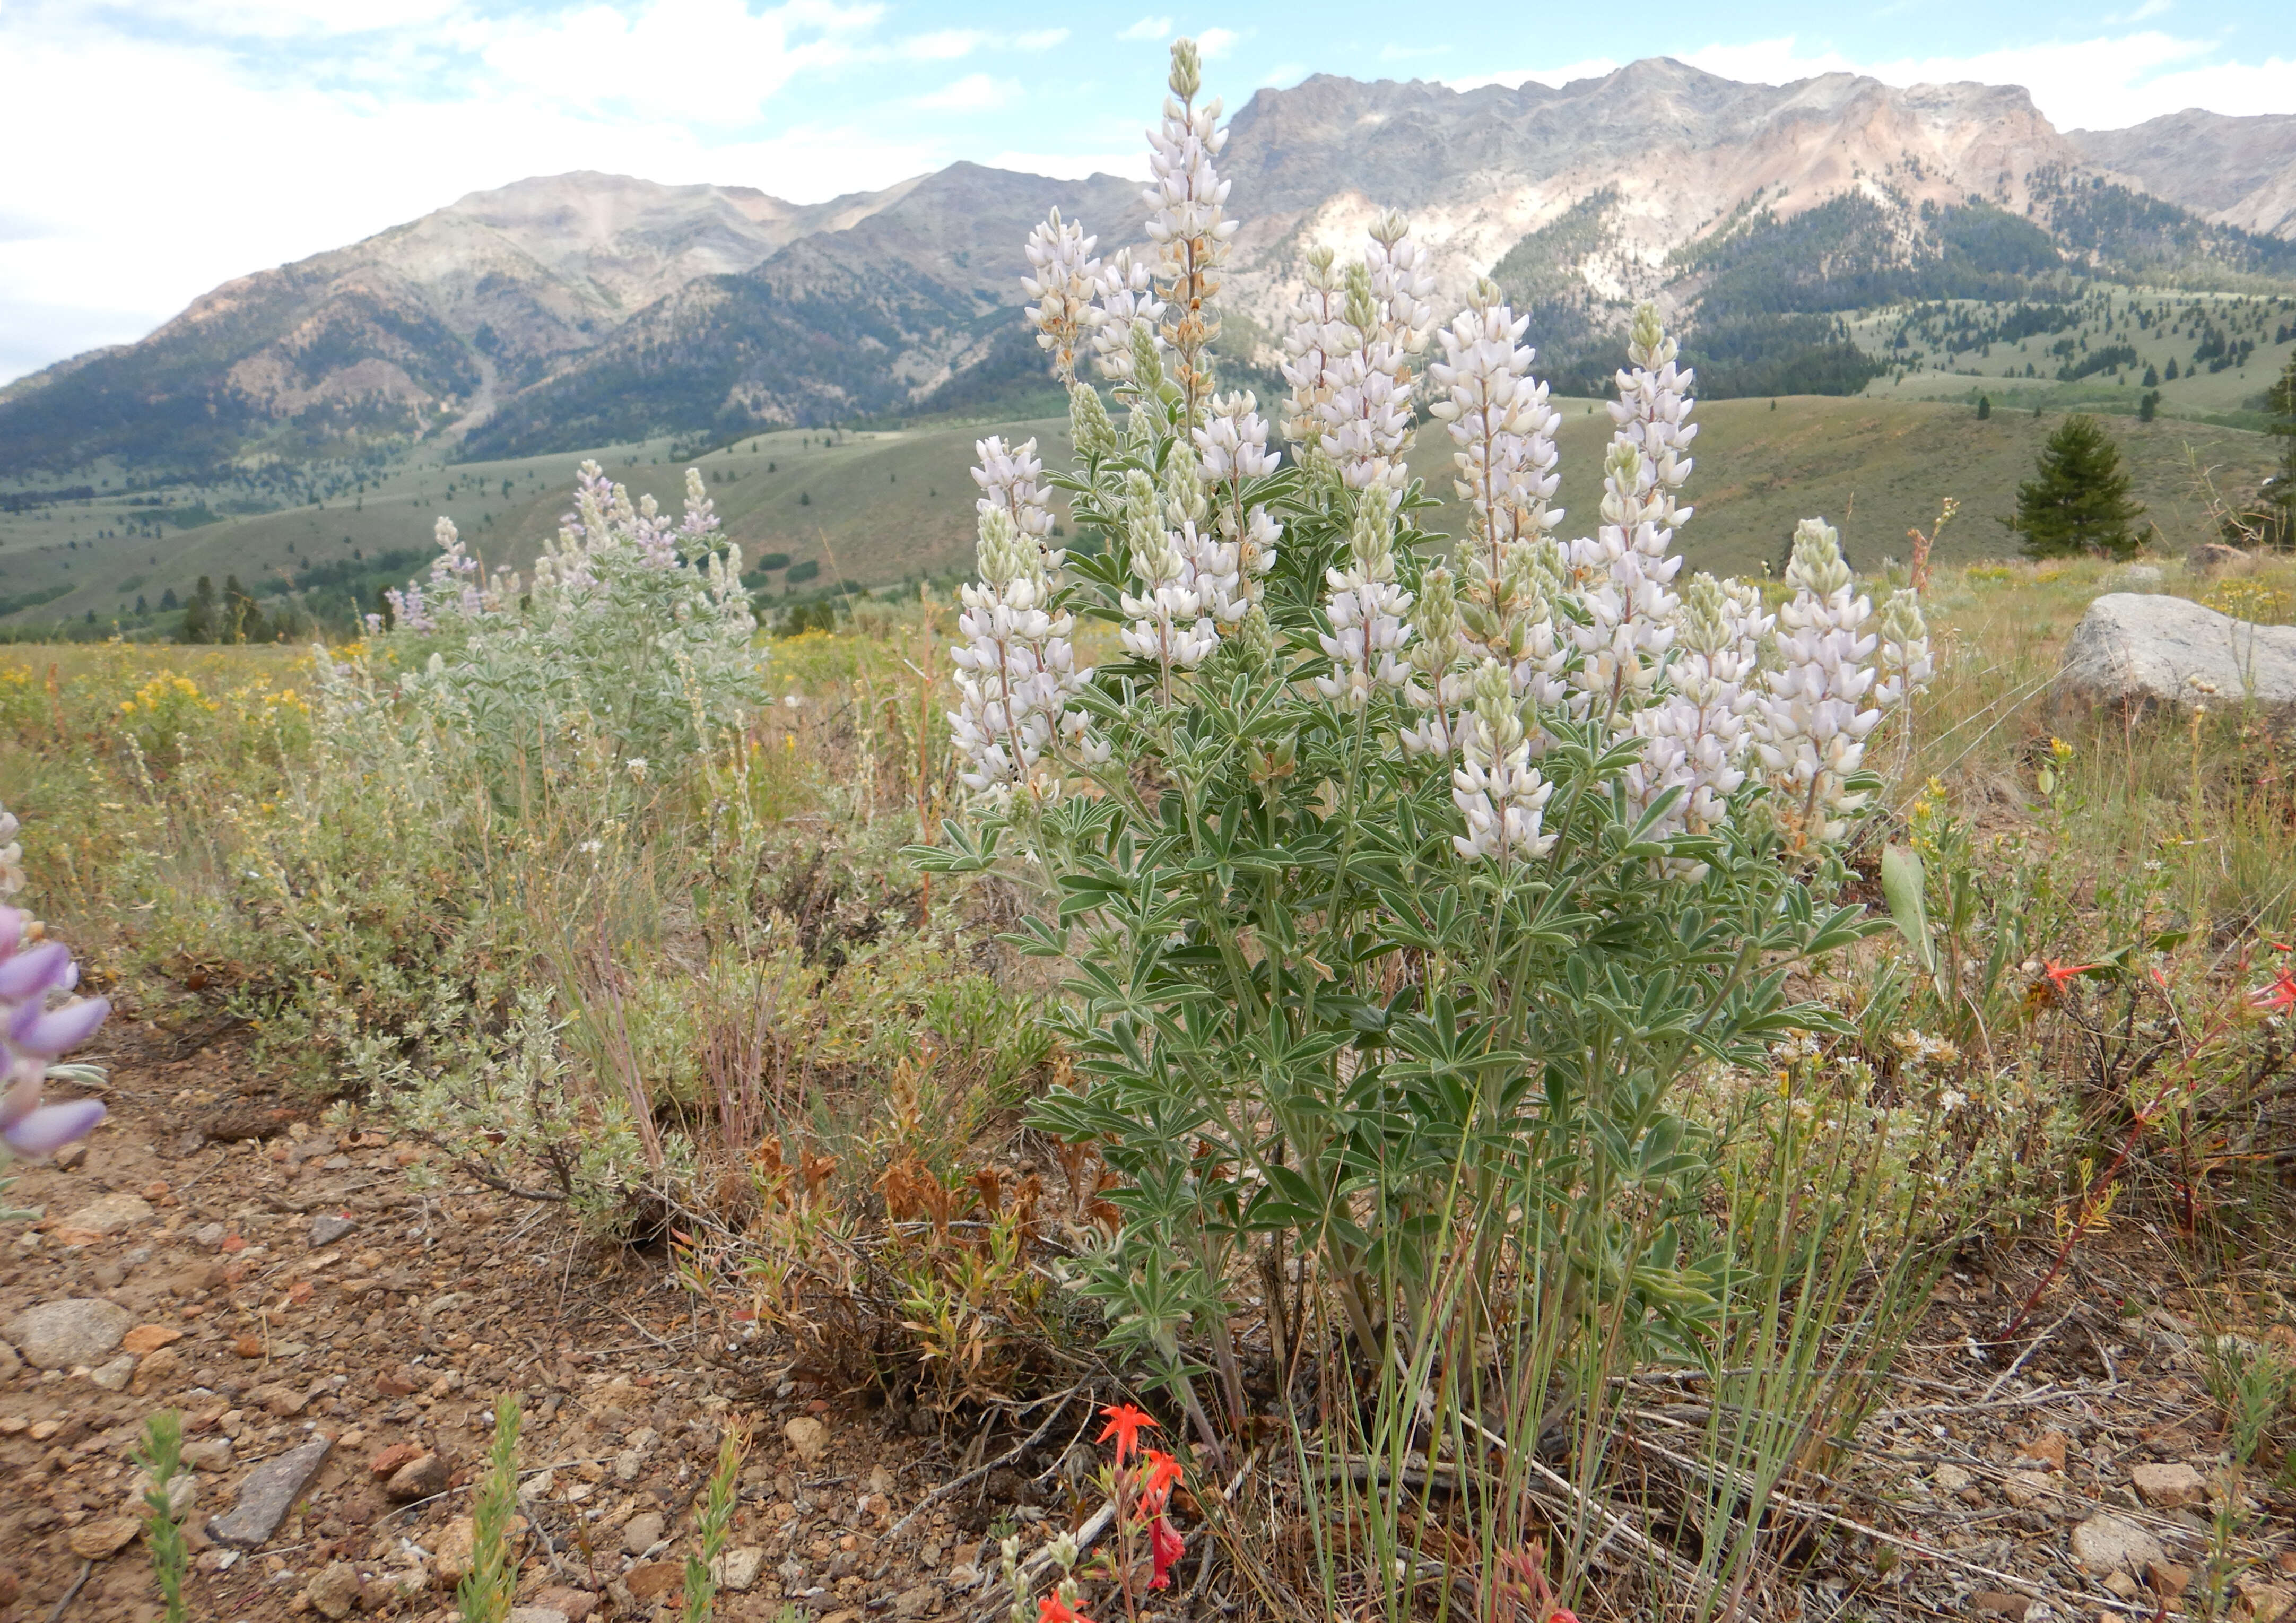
159, 147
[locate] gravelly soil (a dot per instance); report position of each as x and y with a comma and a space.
1966, 1497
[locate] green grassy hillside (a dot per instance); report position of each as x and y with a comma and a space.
879, 507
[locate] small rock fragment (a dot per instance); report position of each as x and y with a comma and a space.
387, 1462
655, 1577
113, 1214
2106, 1542
452, 1559
9, 1362
268, 1492
2168, 1579
737, 1569
156, 1369
2025, 1489
58, 1335
209, 1234
536, 1614
335, 1591
1950, 1478
2167, 1488
418, 1479
917, 1603
2047, 1451
642, 1532
2265, 1603
578, 1604
114, 1376
102, 1540
327, 1227
808, 1439
149, 1338
2000, 1603
207, 1452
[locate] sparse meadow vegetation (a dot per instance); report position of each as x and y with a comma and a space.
1494, 1038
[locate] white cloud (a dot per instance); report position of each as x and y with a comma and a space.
1148, 27
1041, 39
945, 45
2151, 8
1213, 44
1284, 74
78, 266
974, 93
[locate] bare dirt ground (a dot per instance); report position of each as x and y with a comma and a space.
280, 1284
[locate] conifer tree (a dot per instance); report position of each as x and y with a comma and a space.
2079, 502
2278, 496
200, 615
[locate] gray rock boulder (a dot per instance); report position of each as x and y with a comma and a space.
58, 1335
2134, 653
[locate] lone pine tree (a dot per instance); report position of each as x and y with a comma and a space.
2079, 501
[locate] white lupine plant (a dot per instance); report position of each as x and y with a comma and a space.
1404, 879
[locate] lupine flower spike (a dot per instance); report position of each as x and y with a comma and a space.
34, 1031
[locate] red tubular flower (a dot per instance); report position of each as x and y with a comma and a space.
1166, 1546
1157, 1480
2277, 997
1051, 1609
2058, 972
1124, 1424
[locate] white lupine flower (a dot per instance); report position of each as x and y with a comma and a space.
1127, 300
1011, 481
1365, 408
1697, 737
1232, 448
1063, 278
1188, 220
1906, 662
1367, 607
1437, 686
1016, 671
1495, 788
1315, 336
1498, 416
1625, 574
11, 855
1815, 714
1168, 623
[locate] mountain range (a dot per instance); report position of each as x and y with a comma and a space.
585, 308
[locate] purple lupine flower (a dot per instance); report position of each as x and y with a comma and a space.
32, 1033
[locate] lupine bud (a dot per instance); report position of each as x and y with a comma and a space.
1815, 714
1905, 661
1366, 608
1094, 434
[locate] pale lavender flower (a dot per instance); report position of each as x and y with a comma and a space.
1062, 279
35, 1030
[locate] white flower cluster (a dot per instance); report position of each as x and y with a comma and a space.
1495, 788
1366, 609
1010, 480
1168, 619
1016, 671
1231, 451
1624, 573
11, 855
1820, 704
1478, 670
1696, 738
1063, 279
1347, 356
